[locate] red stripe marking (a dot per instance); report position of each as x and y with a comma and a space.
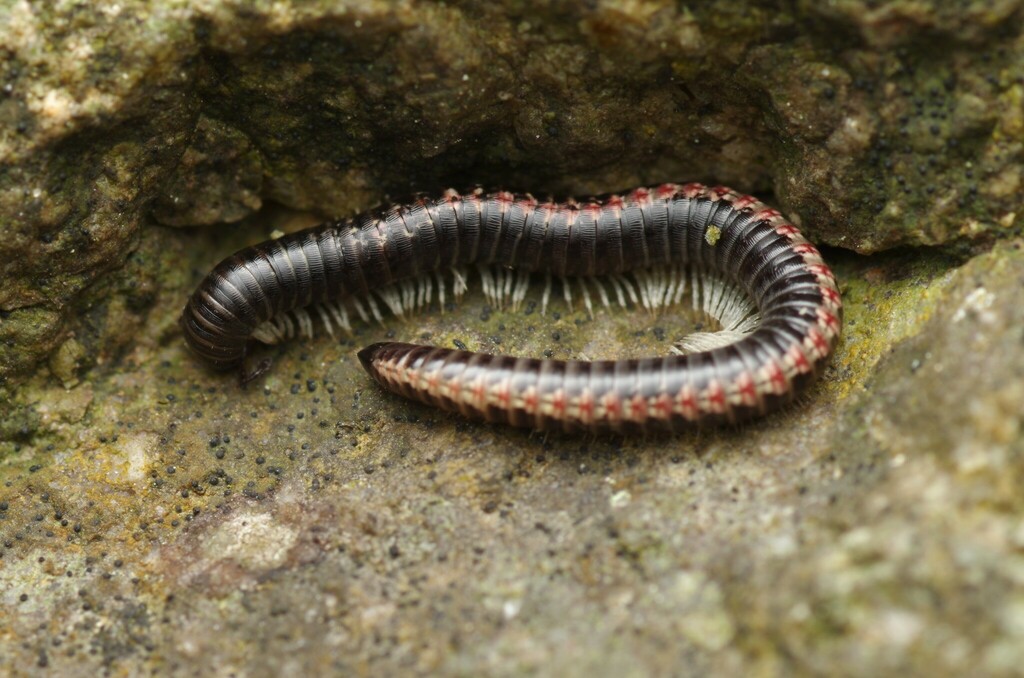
667, 191
830, 320
796, 355
586, 407
831, 295
693, 190
558, 403
746, 388
612, 406
716, 397
688, 403
433, 382
479, 391
818, 340
503, 394
663, 406
820, 270
638, 408
530, 400
776, 377
743, 202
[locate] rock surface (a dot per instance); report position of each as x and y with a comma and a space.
861, 117
157, 518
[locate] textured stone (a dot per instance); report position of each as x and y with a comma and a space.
158, 518
218, 179
859, 117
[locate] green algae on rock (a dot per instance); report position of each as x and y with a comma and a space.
161, 501
156, 518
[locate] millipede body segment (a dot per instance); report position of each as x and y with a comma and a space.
723, 240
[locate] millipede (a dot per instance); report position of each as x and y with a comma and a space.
739, 260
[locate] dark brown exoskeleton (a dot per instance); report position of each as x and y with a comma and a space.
724, 240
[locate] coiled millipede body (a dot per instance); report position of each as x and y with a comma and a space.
743, 262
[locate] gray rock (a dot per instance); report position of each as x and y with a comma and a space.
156, 517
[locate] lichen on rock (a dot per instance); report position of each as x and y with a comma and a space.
195, 113
156, 517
